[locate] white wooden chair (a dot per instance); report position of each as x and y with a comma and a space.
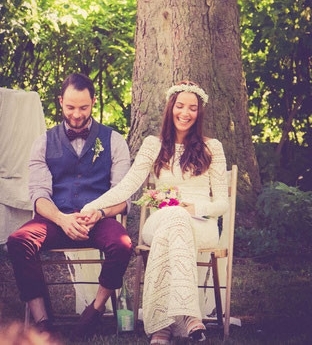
54, 259
224, 251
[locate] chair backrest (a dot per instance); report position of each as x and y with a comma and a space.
143, 215
227, 235
227, 240
228, 218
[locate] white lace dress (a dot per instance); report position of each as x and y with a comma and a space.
171, 278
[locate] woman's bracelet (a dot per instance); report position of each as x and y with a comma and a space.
102, 213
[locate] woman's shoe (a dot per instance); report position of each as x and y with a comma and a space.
195, 329
161, 337
160, 342
198, 334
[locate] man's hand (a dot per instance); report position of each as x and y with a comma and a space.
74, 225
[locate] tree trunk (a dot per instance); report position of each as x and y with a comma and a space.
197, 40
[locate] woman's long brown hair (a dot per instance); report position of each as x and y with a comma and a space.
196, 157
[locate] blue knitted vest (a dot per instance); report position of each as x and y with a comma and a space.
77, 180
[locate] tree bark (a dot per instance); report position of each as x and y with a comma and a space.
197, 40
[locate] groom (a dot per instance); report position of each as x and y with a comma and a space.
70, 165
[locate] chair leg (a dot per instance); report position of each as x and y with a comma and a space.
145, 258
27, 315
137, 289
216, 285
227, 308
114, 302
46, 296
114, 305
226, 326
47, 304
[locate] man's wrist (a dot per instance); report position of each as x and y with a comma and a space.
58, 220
102, 213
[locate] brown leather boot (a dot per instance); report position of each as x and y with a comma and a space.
88, 322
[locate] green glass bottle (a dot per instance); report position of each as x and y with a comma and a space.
125, 315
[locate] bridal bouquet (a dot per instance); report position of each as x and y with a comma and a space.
159, 198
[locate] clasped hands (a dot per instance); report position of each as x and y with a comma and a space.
78, 224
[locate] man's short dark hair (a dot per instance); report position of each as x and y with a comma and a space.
80, 82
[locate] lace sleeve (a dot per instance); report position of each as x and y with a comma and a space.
218, 180
133, 180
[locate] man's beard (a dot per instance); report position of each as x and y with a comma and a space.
84, 123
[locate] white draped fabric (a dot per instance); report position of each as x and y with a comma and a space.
21, 121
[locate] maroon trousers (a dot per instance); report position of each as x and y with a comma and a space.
108, 235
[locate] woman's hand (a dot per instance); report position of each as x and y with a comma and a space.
91, 217
190, 208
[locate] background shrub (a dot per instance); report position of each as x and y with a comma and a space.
284, 218
287, 210
255, 242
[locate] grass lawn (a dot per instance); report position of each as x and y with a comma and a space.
272, 297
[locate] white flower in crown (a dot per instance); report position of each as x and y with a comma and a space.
188, 88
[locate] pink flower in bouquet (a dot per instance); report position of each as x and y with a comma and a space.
169, 202
159, 198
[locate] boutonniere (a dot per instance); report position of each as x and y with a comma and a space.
98, 148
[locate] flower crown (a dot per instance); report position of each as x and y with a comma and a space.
188, 88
